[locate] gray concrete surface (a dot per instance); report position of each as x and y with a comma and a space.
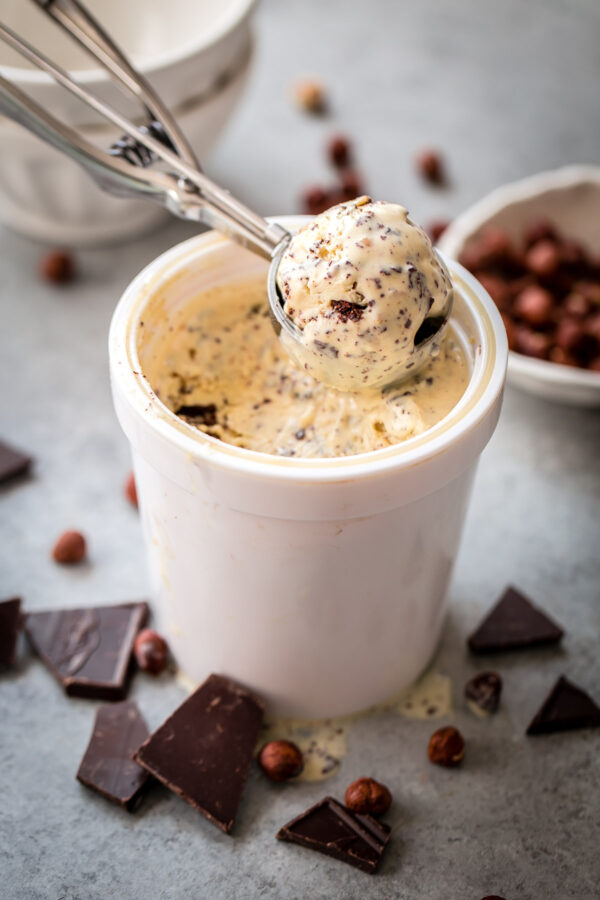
505, 89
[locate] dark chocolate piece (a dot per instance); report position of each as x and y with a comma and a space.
567, 707
483, 692
108, 765
333, 829
12, 463
514, 623
88, 650
204, 750
10, 625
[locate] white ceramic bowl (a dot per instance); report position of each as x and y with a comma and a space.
196, 55
320, 583
570, 198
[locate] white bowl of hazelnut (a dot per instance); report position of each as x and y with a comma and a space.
535, 247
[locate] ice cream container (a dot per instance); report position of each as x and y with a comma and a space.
318, 583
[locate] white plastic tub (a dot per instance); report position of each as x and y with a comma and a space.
319, 583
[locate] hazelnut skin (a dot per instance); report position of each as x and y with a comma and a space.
70, 548
281, 760
131, 489
151, 651
446, 747
365, 795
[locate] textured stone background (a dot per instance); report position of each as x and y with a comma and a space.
505, 89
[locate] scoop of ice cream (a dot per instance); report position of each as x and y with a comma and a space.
358, 281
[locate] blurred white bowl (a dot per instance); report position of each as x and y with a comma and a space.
570, 198
45, 195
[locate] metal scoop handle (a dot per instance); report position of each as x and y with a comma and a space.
171, 180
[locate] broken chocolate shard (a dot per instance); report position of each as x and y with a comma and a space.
333, 829
10, 625
12, 463
514, 623
566, 708
108, 766
204, 750
198, 414
88, 650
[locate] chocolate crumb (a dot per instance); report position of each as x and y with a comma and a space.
347, 310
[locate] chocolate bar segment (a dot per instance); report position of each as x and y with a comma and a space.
204, 750
514, 623
566, 708
10, 624
12, 463
88, 650
333, 829
108, 766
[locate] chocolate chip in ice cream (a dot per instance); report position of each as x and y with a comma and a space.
198, 414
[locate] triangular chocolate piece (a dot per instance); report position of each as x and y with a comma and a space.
333, 829
10, 625
514, 623
12, 463
88, 650
204, 750
567, 707
108, 765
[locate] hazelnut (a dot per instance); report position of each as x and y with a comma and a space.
131, 490
539, 230
531, 343
310, 96
534, 305
569, 333
576, 305
496, 244
446, 747
436, 229
281, 760
70, 548
352, 185
315, 200
365, 795
339, 151
151, 651
595, 364
590, 290
431, 166
57, 267
562, 357
543, 258
492, 897
497, 288
592, 326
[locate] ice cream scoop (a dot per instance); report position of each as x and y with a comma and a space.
363, 295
